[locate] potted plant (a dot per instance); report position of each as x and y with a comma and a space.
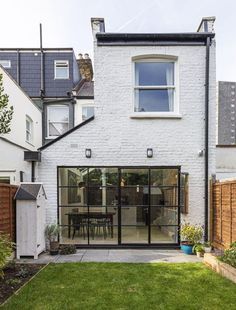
198, 248
51, 234
207, 247
190, 235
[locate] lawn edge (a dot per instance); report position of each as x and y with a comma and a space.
20, 288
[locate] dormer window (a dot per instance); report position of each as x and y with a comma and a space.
61, 69
155, 86
5, 63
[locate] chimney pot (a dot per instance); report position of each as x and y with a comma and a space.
207, 24
98, 25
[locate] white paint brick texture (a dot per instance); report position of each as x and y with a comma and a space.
116, 139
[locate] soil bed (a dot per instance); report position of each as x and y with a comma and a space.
15, 275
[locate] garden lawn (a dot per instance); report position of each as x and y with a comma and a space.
126, 286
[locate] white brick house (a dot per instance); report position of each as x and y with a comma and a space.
153, 96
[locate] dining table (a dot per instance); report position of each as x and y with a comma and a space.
90, 215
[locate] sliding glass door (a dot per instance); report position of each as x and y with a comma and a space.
119, 205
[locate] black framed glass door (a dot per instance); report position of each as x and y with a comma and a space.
119, 205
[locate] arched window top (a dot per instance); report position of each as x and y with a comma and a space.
154, 57
155, 83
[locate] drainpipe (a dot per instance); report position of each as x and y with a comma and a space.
18, 67
206, 133
41, 64
32, 171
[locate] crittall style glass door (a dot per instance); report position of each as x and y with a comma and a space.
119, 205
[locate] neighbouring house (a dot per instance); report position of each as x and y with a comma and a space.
130, 175
52, 78
25, 134
226, 145
84, 91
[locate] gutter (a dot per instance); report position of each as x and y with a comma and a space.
207, 135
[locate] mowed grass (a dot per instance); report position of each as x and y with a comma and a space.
126, 286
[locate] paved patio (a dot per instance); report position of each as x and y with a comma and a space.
121, 256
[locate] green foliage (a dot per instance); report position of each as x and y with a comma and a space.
6, 111
198, 247
13, 282
66, 249
51, 232
191, 233
23, 273
6, 247
229, 256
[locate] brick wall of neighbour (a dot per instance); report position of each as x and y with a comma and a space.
117, 139
8, 210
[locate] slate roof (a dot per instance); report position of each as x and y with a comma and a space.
28, 191
84, 89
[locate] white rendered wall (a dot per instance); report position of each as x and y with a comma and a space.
23, 106
80, 103
12, 162
116, 139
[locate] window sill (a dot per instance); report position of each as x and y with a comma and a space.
155, 115
51, 137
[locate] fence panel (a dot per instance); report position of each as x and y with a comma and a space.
223, 213
8, 210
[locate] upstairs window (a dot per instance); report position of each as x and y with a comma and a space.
87, 112
29, 129
5, 63
57, 120
154, 85
61, 69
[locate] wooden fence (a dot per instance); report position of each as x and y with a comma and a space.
223, 213
8, 210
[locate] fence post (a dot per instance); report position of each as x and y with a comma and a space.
211, 214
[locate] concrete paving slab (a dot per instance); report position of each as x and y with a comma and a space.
119, 255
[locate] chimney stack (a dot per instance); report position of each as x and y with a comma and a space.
85, 67
98, 25
207, 24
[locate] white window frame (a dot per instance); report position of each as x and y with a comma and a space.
85, 106
56, 62
157, 58
48, 120
7, 64
30, 131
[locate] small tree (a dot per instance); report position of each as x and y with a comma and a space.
6, 111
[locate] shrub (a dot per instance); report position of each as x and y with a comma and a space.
229, 256
198, 247
67, 249
51, 232
6, 247
191, 233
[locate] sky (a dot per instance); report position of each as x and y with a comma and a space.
66, 23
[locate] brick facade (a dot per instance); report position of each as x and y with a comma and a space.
117, 139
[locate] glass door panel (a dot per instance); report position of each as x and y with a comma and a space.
134, 202
103, 206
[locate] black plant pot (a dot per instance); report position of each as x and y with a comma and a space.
54, 252
54, 247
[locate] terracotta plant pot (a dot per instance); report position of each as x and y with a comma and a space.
200, 254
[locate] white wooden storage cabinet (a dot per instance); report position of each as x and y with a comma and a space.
30, 220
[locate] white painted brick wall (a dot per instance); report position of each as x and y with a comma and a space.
116, 139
